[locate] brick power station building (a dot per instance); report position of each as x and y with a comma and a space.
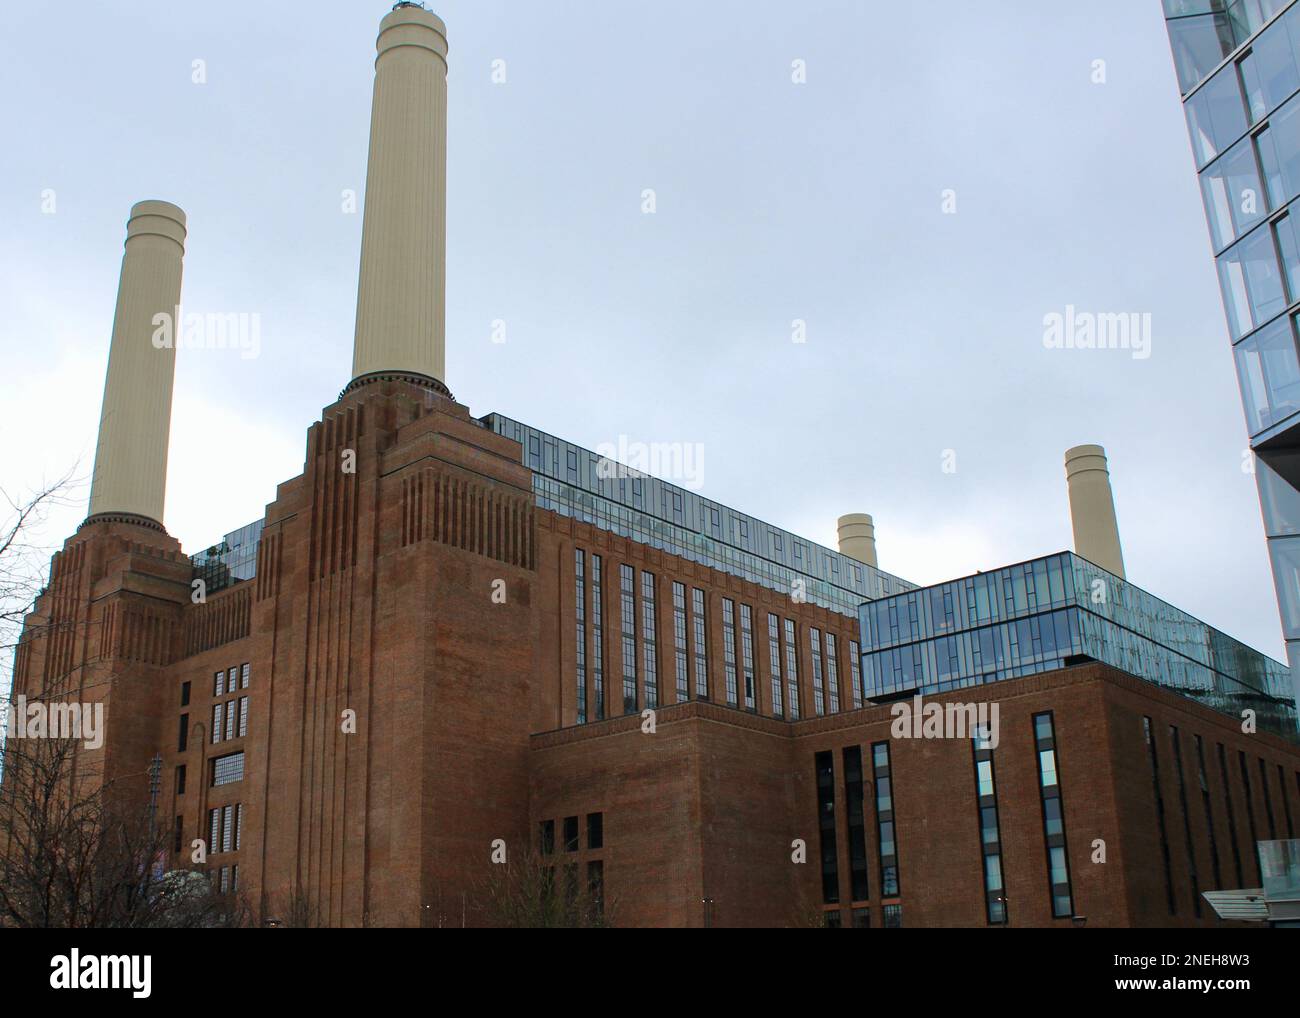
446, 633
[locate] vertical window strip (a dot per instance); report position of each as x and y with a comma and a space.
580, 636
855, 670
1154, 757
995, 899
214, 830
243, 716
1054, 835
230, 719
1232, 817
792, 668
1250, 814
701, 643
228, 829
729, 647
1176, 748
886, 843
216, 722
1268, 800
243, 675
774, 663
853, 804
597, 641
219, 683
649, 632
627, 615
819, 692
680, 678
832, 673
1216, 870
825, 774
1286, 801
747, 655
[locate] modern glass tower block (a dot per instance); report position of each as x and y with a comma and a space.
1238, 64
1053, 612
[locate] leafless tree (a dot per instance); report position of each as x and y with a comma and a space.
77, 854
535, 891
24, 564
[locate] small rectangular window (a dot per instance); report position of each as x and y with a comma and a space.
547, 839
183, 736
185, 694
228, 769
595, 830
570, 834
180, 779
219, 683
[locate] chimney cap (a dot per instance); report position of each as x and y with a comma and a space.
156, 218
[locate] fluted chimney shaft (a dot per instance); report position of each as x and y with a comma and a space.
857, 537
401, 295
1092, 508
130, 477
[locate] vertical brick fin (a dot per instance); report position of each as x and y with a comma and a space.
65, 615
268, 566
222, 619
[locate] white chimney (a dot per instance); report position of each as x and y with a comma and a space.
1092, 508
130, 477
401, 294
857, 537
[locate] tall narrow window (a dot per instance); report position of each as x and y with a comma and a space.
649, 631
627, 616
995, 898
792, 668
853, 805
701, 644
243, 716
832, 673
774, 663
825, 768
1250, 814
580, 636
1268, 801
1286, 801
1232, 818
597, 640
1049, 790
681, 678
729, 647
888, 847
217, 714
243, 675
855, 670
819, 693
183, 735
1187, 820
219, 683
1154, 758
1208, 808
747, 655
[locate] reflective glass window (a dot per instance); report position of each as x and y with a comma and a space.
1269, 373
1251, 282
1234, 199
1269, 72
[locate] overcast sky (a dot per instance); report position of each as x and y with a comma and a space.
774, 202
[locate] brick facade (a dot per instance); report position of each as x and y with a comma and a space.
425, 592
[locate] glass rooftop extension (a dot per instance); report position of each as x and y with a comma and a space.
232, 559
573, 481
1056, 611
